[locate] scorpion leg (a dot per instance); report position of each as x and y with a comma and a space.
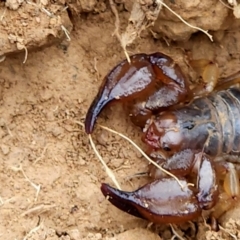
228, 82
231, 193
210, 74
140, 79
207, 182
164, 200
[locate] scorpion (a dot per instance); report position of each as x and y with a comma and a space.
192, 133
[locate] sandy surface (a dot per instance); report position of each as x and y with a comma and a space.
49, 175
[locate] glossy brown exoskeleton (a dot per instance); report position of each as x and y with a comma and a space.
190, 136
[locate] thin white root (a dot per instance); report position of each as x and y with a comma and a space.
224, 4
2, 16
38, 209
143, 153
42, 155
67, 33
107, 169
8, 130
136, 146
188, 24
232, 2
26, 54
2, 58
37, 187
47, 12
2, 201
95, 68
175, 233
116, 31
51, 15
228, 232
141, 18
32, 231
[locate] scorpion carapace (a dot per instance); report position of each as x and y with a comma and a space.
186, 139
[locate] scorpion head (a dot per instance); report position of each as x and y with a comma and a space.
173, 131
163, 133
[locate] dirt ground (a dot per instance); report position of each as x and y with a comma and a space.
49, 174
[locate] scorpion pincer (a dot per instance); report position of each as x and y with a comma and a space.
196, 138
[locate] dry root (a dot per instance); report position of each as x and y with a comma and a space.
109, 171
35, 186
143, 15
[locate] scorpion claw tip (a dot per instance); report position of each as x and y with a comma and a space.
120, 199
162, 201
89, 123
96, 107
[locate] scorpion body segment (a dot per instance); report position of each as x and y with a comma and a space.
186, 139
210, 124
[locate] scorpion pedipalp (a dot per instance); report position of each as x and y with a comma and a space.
148, 78
162, 201
124, 81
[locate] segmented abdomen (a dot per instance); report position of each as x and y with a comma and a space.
223, 109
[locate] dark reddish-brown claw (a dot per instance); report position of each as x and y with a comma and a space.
125, 80
162, 201
140, 80
120, 199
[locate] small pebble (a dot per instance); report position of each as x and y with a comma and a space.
46, 95
5, 149
57, 131
74, 234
